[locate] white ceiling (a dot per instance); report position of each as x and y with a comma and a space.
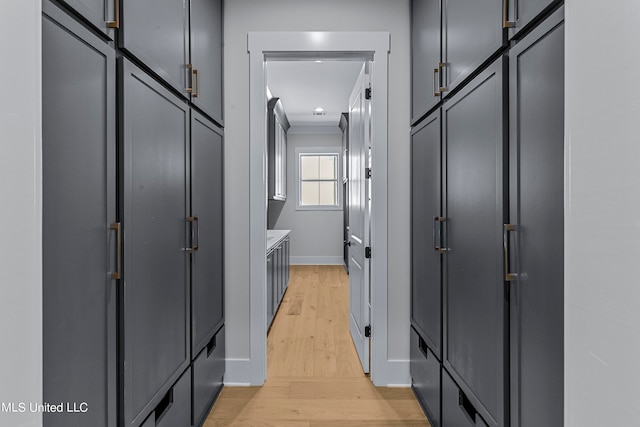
304, 85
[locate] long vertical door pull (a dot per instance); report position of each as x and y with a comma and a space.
116, 16
508, 277
117, 227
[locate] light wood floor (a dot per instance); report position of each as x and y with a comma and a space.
314, 377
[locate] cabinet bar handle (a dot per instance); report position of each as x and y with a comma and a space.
441, 67
193, 220
196, 86
436, 81
508, 277
116, 12
505, 16
117, 227
437, 234
190, 78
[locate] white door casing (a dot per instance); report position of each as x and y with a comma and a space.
362, 45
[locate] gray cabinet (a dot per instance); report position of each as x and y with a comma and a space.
457, 410
270, 294
535, 235
425, 56
154, 193
207, 231
426, 372
208, 376
102, 14
472, 32
277, 275
474, 299
79, 209
522, 13
206, 56
278, 125
426, 225
156, 33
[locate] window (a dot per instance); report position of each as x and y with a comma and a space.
317, 176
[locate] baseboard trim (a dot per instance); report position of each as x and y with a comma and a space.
316, 260
393, 373
237, 372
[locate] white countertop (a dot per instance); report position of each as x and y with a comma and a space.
274, 237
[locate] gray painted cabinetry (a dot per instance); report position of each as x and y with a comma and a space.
536, 147
101, 14
132, 231
521, 13
474, 298
277, 270
206, 56
486, 215
426, 67
155, 126
427, 224
79, 207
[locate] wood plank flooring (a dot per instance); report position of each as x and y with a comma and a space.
314, 377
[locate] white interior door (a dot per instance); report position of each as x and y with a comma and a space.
359, 212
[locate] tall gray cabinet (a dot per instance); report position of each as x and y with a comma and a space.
80, 231
155, 129
133, 212
534, 233
486, 216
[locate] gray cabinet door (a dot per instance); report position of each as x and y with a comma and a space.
474, 292
270, 293
154, 136
426, 274
472, 33
523, 12
100, 13
537, 211
207, 281
155, 32
79, 205
206, 56
425, 56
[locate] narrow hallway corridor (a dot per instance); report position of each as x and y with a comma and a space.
314, 376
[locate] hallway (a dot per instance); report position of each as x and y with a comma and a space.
314, 375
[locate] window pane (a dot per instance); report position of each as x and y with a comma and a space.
328, 193
328, 169
309, 167
309, 193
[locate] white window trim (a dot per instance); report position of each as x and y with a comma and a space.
337, 151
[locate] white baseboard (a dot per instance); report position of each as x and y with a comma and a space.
316, 260
394, 373
237, 372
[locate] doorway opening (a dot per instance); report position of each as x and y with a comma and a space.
360, 46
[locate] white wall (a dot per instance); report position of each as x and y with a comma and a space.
20, 210
316, 236
602, 290
242, 16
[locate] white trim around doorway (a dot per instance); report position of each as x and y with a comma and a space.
325, 45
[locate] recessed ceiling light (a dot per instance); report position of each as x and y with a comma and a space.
318, 111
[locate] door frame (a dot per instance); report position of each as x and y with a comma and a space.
319, 45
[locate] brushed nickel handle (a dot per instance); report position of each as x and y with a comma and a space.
508, 277
117, 227
196, 86
505, 16
436, 81
116, 12
441, 67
